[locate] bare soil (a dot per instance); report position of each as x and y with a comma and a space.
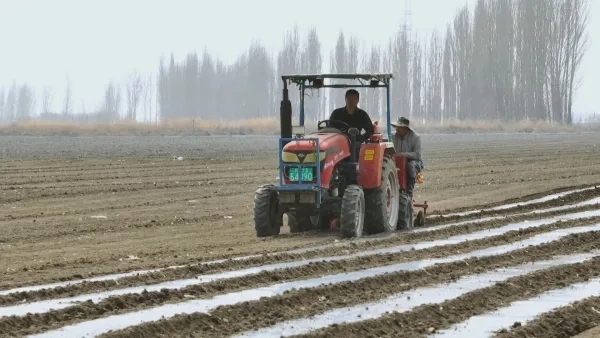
194, 270
227, 320
161, 211
578, 320
73, 208
427, 319
593, 332
363, 291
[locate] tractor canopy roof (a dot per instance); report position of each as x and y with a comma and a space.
319, 80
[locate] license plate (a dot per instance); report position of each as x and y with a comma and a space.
306, 174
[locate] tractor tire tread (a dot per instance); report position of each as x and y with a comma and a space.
405, 213
376, 208
262, 203
348, 226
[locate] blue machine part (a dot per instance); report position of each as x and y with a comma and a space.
300, 186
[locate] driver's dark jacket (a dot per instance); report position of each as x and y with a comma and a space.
359, 120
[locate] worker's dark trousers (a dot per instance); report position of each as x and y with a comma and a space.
412, 168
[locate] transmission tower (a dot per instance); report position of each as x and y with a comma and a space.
407, 37
407, 17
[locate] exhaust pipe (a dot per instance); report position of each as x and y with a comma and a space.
285, 115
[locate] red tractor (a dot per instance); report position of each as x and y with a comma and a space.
334, 177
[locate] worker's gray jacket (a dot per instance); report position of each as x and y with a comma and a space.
410, 145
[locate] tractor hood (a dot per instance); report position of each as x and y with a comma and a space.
303, 150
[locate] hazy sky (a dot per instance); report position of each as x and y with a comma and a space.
97, 41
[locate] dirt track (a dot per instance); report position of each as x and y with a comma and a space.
75, 208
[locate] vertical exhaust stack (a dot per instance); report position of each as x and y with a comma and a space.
285, 115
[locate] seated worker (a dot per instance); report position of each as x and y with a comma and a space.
408, 143
354, 116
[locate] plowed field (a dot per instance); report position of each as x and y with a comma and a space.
116, 237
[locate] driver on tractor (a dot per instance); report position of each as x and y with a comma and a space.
353, 116
408, 143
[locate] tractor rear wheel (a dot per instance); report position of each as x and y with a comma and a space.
383, 203
267, 216
405, 212
352, 214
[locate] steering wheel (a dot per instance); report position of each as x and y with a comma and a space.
331, 124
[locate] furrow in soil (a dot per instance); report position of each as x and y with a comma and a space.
127, 303
415, 245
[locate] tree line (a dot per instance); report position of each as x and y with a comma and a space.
502, 60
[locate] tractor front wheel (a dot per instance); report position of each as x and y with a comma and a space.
268, 218
352, 215
405, 213
383, 203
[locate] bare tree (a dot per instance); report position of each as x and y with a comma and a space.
47, 97
501, 59
191, 86
463, 50
434, 78
162, 91
2, 98
417, 73
118, 102
259, 75
399, 51
83, 109
68, 97
340, 55
110, 110
207, 91
476, 79
372, 64
352, 62
288, 61
147, 98
134, 91
25, 103
449, 75
311, 62
576, 47
176, 89
331, 104
10, 107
